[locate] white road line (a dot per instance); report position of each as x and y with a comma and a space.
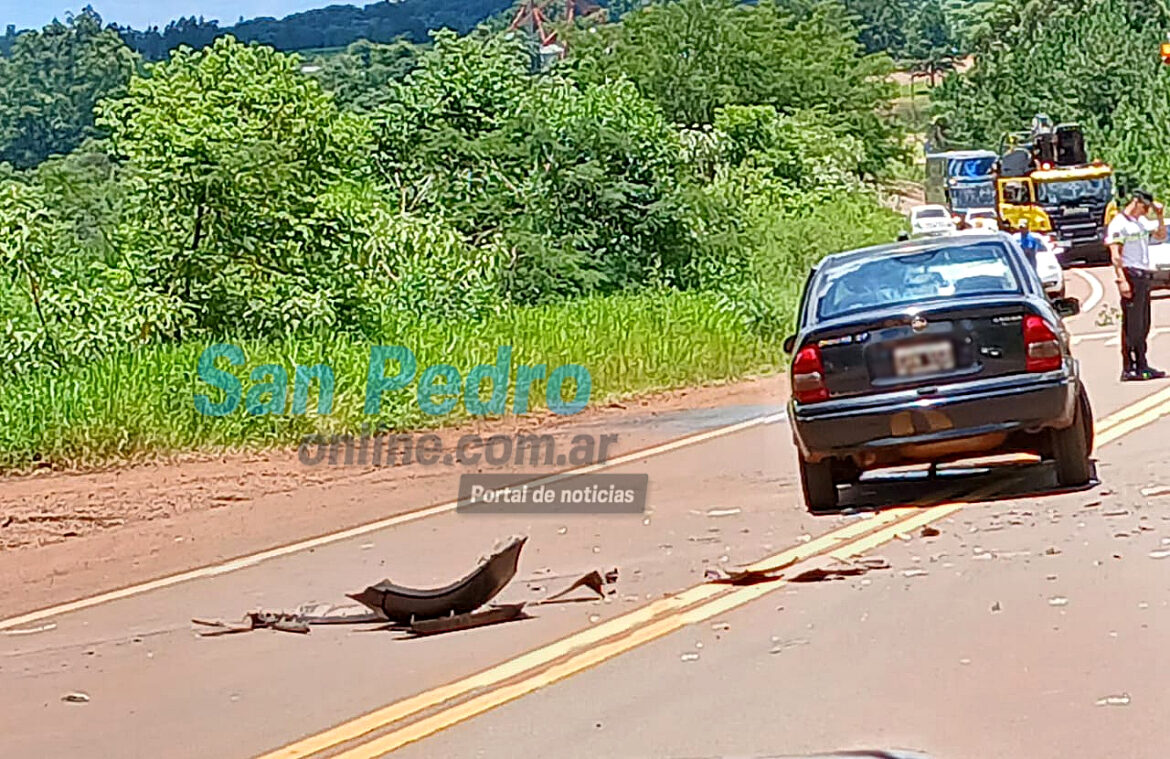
249, 560
1096, 291
1153, 333
1078, 339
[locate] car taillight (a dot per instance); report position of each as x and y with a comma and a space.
1041, 345
808, 376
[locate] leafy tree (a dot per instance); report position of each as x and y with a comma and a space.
229, 148
50, 83
930, 41
882, 24
695, 56
360, 78
1075, 60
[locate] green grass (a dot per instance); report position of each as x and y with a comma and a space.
140, 403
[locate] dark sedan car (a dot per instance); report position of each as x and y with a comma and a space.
931, 351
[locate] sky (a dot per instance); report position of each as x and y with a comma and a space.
140, 14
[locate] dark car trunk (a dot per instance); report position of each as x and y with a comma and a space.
960, 341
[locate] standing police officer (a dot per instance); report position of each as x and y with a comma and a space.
1128, 239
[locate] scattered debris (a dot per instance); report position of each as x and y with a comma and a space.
690, 656
724, 512
492, 616
1160, 554
594, 581
562, 530
782, 646
747, 576
1058, 601
1051, 551
1116, 513
929, 532
903, 536
76, 698
1090, 504
964, 662
839, 573
996, 607
405, 605
720, 626
915, 573
1155, 491
1118, 700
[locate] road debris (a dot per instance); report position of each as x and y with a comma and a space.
76, 698
930, 532
410, 609
1115, 513
405, 605
855, 569
995, 607
594, 581
780, 647
690, 656
1122, 699
915, 573
1159, 554
1051, 551
1155, 491
724, 512
492, 616
1058, 601
747, 576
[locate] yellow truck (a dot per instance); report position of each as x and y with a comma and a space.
1045, 179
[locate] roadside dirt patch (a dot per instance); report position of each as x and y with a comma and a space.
68, 534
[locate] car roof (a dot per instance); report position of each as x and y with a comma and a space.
930, 206
921, 245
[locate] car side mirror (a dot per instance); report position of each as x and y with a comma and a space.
789, 343
1067, 306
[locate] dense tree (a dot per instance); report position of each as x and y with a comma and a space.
1075, 60
50, 83
360, 78
695, 56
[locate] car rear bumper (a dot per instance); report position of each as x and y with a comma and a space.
960, 418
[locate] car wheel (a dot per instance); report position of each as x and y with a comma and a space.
1086, 419
820, 489
1070, 448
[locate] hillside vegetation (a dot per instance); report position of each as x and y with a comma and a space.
651, 220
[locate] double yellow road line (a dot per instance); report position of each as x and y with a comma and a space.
391, 727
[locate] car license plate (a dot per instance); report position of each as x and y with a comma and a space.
924, 358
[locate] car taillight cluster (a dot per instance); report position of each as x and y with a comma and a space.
808, 376
1041, 345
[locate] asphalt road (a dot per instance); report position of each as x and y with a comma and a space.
1033, 624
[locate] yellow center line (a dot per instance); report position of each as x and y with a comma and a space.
544, 655
580, 651
591, 657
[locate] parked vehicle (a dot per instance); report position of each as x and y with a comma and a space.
961, 179
982, 218
930, 220
929, 351
1049, 267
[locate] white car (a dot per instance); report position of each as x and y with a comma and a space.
930, 220
1160, 261
1048, 261
982, 218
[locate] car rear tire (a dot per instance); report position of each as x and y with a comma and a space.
819, 486
1087, 420
1071, 446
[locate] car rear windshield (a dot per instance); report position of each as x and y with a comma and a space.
859, 283
931, 213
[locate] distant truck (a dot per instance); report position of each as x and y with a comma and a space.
1046, 179
961, 180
